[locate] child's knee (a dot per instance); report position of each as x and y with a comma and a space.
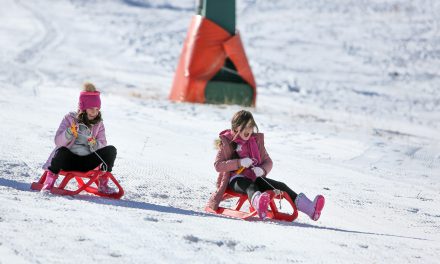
111, 150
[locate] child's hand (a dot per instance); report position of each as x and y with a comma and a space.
246, 162
258, 171
92, 143
72, 130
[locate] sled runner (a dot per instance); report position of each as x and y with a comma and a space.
90, 177
272, 213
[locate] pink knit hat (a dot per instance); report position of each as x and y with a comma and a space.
89, 100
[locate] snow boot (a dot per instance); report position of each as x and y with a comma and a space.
50, 180
103, 185
312, 209
260, 201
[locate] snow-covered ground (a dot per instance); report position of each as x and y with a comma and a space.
348, 99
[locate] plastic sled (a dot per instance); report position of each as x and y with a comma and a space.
84, 180
272, 213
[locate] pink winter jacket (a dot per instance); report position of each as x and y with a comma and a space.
225, 165
98, 132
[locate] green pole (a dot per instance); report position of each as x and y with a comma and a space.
221, 12
226, 87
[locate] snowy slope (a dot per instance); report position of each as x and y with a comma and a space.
348, 101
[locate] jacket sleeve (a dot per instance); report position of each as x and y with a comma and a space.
101, 140
266, 161
60, 137
222, 163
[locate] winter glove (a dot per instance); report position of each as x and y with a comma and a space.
258, 171
72, 131
246, 162
92, 143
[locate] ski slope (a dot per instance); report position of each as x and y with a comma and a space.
348, 100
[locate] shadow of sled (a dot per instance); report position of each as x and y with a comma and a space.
91, 178
273, 213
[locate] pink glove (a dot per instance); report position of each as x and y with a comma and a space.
258, 171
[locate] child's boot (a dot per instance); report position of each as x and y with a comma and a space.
50, 180
260, 201
312, 209
103, 185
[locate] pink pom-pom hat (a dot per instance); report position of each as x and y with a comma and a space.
89, 100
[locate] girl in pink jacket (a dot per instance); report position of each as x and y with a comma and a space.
243, 164
80, 142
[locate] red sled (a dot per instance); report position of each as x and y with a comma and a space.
91, 177
272, 213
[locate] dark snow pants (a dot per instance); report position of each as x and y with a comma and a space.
247, 186
66, 160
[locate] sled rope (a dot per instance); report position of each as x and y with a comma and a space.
276, 191
104, 165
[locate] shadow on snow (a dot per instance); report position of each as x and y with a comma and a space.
168, 209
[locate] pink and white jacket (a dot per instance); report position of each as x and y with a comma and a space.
97, 131
245, 149
227, 166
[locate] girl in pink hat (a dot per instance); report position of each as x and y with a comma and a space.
240, 147
80, 142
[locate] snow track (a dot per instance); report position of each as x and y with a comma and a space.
40, 42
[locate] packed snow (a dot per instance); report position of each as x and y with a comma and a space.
348, 99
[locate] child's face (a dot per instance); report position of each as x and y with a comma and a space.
245, 132
92, 113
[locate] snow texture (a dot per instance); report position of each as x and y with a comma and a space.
348, 99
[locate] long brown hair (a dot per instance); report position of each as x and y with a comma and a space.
242, 119
81, 117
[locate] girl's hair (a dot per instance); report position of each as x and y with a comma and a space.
242, 119
81, 116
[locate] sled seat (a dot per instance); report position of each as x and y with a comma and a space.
272, 213
84, 181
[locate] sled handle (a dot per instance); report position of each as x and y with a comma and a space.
240, 170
